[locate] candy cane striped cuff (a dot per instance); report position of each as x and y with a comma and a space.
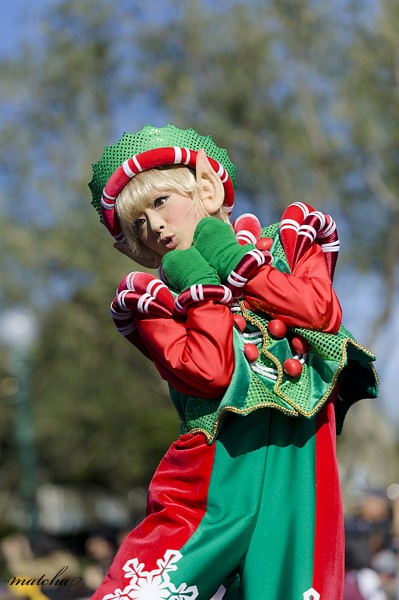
246, 268
127, 303
200, 293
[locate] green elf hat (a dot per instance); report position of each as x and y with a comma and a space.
149, 148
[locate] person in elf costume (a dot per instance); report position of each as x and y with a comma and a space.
244, 325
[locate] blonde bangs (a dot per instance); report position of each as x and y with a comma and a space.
135, 196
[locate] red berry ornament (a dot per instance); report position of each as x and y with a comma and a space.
264, 243
292, 367
277, 328
251, 352
300, 345
240, 322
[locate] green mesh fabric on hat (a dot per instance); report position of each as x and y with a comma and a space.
150, 138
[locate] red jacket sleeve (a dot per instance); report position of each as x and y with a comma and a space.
304, 298
196, 355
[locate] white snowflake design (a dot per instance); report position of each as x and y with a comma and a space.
153, 585
311, 595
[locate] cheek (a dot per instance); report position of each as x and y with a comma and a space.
147, 241
195, 215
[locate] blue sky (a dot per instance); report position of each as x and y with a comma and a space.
14, 24
18, 22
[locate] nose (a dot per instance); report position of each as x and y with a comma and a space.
155, 222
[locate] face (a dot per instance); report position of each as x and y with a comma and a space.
167, 222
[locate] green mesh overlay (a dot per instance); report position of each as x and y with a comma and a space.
330, 357
150, 138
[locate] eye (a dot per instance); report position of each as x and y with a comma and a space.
138, 225
160, 201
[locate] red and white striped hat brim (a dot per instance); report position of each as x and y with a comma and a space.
145, 161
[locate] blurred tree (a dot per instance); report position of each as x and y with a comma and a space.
101, 408
370, 103
102, 413
259, 76
303, 95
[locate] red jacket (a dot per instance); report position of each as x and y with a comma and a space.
196, 355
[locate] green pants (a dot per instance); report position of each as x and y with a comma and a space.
258, 511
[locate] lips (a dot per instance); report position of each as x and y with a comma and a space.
169, 242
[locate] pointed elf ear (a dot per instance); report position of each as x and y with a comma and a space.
210, 187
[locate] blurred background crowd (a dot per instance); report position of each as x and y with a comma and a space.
37, 566
305, 97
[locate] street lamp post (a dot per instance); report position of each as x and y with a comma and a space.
18, 333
